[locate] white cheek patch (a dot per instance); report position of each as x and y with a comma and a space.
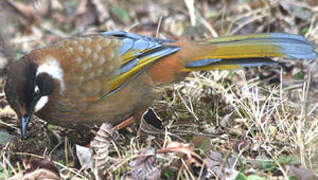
52, 67
41, 103
36, 89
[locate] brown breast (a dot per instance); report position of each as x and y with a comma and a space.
88, 64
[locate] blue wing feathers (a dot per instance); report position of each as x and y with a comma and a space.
136, 49
141, 47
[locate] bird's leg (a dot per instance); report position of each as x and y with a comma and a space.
125, 123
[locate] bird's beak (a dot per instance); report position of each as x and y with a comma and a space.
25, 119
24, 124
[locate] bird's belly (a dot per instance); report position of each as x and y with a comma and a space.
130, 100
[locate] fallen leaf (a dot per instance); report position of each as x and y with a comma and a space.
143, 167
85, 156
103, 144
151, 123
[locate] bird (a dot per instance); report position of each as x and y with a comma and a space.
109, 77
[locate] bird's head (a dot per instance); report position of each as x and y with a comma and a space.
29, 86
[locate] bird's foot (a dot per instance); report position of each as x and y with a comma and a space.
129, 121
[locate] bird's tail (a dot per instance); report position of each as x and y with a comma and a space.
243, 51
